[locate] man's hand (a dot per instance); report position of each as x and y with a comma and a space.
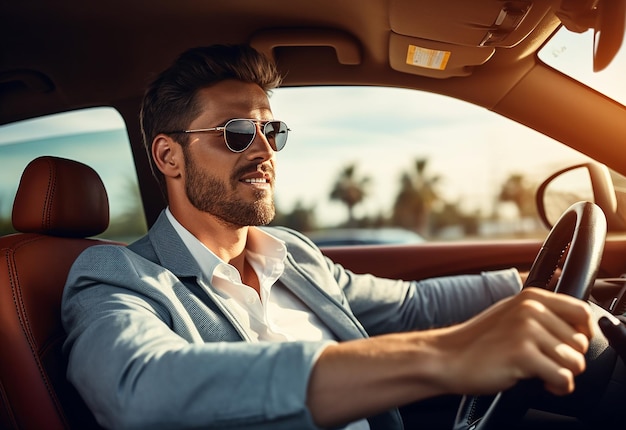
535, 334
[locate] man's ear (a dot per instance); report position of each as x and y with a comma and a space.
167, 155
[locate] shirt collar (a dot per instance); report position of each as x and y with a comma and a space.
264, 250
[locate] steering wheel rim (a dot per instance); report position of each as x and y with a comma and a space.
580, 233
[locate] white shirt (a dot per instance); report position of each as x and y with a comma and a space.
277, 315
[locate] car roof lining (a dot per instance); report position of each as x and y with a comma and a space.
99, 38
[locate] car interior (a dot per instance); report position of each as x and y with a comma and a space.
59, 204
59, 57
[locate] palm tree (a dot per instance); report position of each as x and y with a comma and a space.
350, 190
516, 190
416, 199
301, 218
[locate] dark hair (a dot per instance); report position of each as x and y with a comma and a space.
170, 102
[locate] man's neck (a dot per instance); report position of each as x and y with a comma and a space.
226, 241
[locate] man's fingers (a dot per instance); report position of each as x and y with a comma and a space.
558, 330
563, 354
557, 379
570, 310
535, 334
558, 327
563, 382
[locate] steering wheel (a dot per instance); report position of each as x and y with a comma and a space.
579, 234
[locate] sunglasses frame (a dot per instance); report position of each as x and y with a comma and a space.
225, 126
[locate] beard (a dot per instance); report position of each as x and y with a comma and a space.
212, 195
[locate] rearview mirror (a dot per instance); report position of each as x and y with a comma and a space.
609, 32
605, 17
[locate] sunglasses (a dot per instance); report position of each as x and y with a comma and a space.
240, 133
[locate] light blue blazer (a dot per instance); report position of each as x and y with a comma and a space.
152, 345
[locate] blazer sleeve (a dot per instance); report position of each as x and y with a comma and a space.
388, 305
385, 306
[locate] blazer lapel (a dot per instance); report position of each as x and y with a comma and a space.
170, 250
337, 317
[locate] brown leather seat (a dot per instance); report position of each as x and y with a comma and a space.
58, 204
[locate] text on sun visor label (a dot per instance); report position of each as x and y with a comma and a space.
428, 58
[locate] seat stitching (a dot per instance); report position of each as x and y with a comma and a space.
24, 323
49, 197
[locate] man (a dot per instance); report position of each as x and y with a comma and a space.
210, 321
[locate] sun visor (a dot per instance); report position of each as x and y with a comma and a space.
429, 40
434, 59
468, 23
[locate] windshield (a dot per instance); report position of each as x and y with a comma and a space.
572, 54
423, 162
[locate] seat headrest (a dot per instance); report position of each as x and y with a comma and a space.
60, 197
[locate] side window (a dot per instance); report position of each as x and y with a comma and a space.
384, 165
96, 137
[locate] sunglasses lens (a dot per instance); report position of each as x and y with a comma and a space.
276, 134
239, 134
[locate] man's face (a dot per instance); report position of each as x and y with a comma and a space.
237, 188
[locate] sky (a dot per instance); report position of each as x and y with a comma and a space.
94, 120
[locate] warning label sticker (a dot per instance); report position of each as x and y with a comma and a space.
428, 58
